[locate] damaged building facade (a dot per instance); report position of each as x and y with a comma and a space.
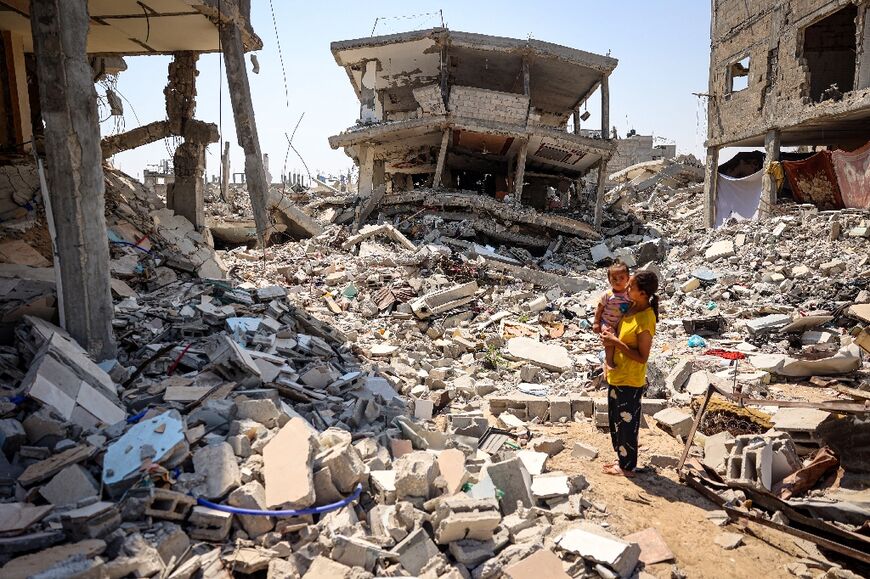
455, 110
789, 73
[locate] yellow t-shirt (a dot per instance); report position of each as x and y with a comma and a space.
628, 372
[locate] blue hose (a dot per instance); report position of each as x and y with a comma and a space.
288, 513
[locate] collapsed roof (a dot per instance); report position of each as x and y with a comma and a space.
144, 27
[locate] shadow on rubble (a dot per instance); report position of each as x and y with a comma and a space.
653, 482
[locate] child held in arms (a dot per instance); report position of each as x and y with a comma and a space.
614, 304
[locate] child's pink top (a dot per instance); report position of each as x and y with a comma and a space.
616, 305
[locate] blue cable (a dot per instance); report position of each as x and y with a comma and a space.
288, 513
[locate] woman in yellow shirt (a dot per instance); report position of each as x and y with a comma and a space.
628, 376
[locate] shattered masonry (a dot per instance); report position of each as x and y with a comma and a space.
427, 379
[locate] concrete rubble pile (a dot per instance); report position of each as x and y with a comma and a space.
401, 369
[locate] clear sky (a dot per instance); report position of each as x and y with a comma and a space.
662, 46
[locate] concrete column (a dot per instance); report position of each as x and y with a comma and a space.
599, 196
371, 107
576, 121
246, 128
768, 182
520, 172
225, 174
366, 171
605, 108
711, 174
75, 171
442, 156
185, 195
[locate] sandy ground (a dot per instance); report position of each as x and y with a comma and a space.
657, 499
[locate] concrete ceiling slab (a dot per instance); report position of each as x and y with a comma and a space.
125, 27
101, 8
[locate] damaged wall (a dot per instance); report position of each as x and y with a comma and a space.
781, 43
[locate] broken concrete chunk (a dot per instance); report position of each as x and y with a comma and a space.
513, 480
217, 464
719, 250
287, 463
451, 465
597, 545
675, 421
69, 486
549, 356
63, 377
251, 496
540, 564
416, 551
459, 518
415, 474
582, 450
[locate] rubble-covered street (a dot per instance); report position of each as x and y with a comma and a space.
400, 375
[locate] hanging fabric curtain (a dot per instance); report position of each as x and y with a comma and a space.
738, 198
813, 181
853, 176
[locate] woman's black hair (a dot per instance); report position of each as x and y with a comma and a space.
648, 283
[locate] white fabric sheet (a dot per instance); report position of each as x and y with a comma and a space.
738, 197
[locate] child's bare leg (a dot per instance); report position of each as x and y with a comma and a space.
609, 351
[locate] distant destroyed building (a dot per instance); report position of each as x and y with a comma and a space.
467, 111
635, 149
790, 73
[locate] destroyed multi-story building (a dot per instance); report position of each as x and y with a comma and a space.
786, 73
468, 111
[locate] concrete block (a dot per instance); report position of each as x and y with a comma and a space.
533, 461
169, 505
459, 518
767, 323
690, 285
560, 410
323, 567
719, 250
252, 496
415, 551
549, 356
675, 421
262, 411
69, 486
451, 465
697, 383
415, 474
540, 564
680, 373
471, 553
595, 544
512, 478
601, 254
584, 451
548, 444
716, 450
583, 405
345, 465
550, 486
217, 463
209, 525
